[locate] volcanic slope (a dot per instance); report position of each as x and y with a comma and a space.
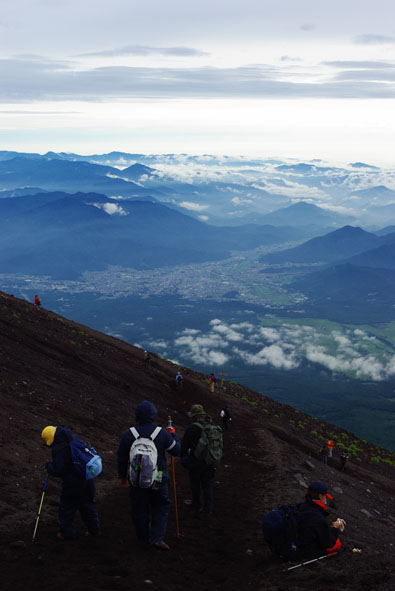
54, 371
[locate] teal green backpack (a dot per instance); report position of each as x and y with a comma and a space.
210, 444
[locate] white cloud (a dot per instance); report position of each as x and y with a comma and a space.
193, 206
273, 355
111, 208
285, 347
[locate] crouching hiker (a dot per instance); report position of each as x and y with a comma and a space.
295, 532
142, 465
78, 492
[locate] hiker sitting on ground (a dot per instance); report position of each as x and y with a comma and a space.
149, 500
77, 494
201, 473
37, 301
315, 536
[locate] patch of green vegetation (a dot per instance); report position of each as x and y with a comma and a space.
271, 295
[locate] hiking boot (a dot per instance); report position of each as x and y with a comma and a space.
161, 545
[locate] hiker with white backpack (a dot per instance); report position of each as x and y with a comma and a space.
142, 467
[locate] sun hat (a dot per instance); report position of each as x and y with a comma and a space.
196, 409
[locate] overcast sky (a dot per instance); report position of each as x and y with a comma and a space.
306, 79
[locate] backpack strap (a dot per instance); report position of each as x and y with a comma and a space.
155, 432
134, 432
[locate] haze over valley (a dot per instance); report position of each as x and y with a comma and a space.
279, 274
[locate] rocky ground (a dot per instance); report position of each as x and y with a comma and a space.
54, 371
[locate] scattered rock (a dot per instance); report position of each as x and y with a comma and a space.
365, 512
338, 490
309, 465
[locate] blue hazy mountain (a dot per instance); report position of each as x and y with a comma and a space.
63, 235
305, 214
337, 245
348, 285
382, 257
65, 175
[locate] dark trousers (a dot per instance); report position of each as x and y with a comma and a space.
150, 509
201, 478
78, 495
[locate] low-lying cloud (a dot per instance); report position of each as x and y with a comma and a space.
287, 347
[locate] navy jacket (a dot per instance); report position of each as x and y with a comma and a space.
62, 464
145, 415
316, 536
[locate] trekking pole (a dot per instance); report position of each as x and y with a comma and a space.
39, 509
310, 561
170, 428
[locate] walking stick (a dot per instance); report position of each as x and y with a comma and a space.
310, 561
39, 509
171, 429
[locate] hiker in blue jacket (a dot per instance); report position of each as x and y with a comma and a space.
76, 494
149, 506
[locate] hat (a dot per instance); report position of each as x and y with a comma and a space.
48, 434
196, 409
320, 487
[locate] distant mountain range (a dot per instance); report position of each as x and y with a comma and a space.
337, 245
65, 175
62, 235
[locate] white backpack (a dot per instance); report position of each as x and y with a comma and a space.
143, 459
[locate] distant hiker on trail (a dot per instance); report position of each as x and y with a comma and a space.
323, 454
331, 445
225, 417
37, 301
147, 359
212, 380
316, 536
343, 459
142, 466
179, 382
201, 452
77, 493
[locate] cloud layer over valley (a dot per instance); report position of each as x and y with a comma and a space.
286, 347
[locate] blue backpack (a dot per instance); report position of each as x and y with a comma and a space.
87, 463
280, 531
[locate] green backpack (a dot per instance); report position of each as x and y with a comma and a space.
210, 444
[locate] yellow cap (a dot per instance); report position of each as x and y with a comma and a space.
48, 434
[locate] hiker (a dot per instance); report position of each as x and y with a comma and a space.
37, 301
147, 359
331, 445
225, 416
201, 471
212, 380
323, 454
149, 500
77, 494
343, 459
179, 382
315, 536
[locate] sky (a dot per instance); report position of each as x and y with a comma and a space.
268, 78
